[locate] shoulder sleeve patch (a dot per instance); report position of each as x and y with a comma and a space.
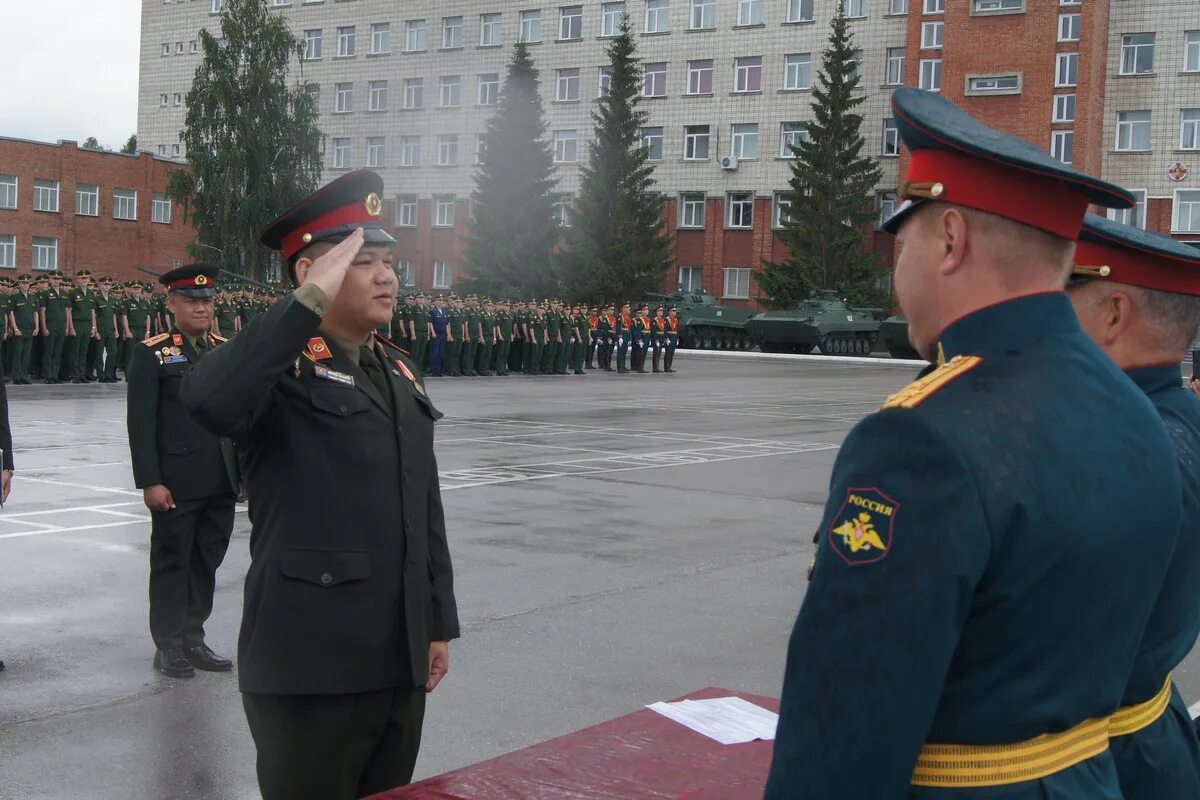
153, 340
861, 531
921, 390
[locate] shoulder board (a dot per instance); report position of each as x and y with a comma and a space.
217, 338
921, 390
153, 340
387, 344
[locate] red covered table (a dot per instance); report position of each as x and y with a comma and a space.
641, 755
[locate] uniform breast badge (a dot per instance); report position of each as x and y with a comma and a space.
861, 531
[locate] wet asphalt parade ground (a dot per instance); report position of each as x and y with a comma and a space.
617, 540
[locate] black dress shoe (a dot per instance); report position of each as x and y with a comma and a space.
171, 662
1, 666
204, 658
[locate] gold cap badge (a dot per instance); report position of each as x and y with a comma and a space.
201, 280
1102, 271
307, 238
374, 205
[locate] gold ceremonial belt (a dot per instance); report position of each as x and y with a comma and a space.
1132, 719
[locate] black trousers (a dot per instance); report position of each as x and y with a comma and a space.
187, 544
335, 747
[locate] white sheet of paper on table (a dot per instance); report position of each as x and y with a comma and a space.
728, 720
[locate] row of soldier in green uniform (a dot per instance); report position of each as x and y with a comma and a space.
452, 335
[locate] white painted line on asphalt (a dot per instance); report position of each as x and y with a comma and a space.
7, 516
66, 467
752, 356
136, 519
112, 513
89, 487
28, 522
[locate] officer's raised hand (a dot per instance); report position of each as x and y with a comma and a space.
1195, 384
328, 270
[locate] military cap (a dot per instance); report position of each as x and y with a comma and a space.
1108, 250
957, 159
673, 308
24, 278
104, 279
83, 273
330, 214
191, 280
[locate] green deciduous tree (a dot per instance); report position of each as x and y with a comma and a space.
830, 190
512, 231
616, 246
251, 137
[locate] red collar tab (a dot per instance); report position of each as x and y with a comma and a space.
318, 350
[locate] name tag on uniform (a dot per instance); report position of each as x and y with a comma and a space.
174, 359
325, 373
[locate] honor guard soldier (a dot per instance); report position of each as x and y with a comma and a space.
607, 338
658, 335
56, 327
25, 326
188, 478
672, 338
640, 338
580, 336
593, 315
349, 600
1137, 295
1022, 475
624, 335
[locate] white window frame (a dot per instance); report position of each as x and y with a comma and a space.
931, 75
1070, 27
410, 150
1191, 51
654, 142
381, 38
414, 35
693, 138
1189, 129
933, 35
570, 23
447, 150
739, 275
997, 6
449, 91
1064, 103
691, 210
1135, 216
452, 33
1129, 130
990, 85
1060, 143
611, 14
897, 8
658, 16
347, 41
45, 253
491, 29
314, 44
377, 95
890, 147
566, 85
488, 91
1131, 53
376, 151
125, 204
414, 93
797, 72
531, 26
696, 71
799, 11
160, 209
566, 147
689, 285
780, 206
791, 133
561, 210
406, 211
8, 250
443, 273
87, 199
894, 73
404, 270
702, 15
744, 70
1064, 65
9, 189
933, 7
1177, 207
736, 205
856, 9
654, 79
885, 205
743, 140
45, 195
343, 150
605, 81
343, 98
443, 210
750, 12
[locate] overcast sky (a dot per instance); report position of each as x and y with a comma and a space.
76, 69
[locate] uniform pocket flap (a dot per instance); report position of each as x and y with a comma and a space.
342, 402
181, 448
325, 567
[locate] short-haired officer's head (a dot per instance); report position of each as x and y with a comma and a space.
190, 291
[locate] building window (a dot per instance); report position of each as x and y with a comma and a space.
377, 95
481, 149
1137, 54
993, 84
1189, 129
652, 140
799, 10
797, 71
691, 279
931, 74
565, 147
854, 69
414, 92
87, 199
932, 35
45, 195
750, 12
1187, 211
404, 271
695, 142
1066, 70
783, 209
443, 211
700, 76
490, 30
174, 151
166, 49
193, 47
691, 210
561, 211
856, 8
531, 26
1064, 108
8, 250
341, 154
125, 204
343, 98
566, 85
410, 151
1062, 146
376, 151
1133, 130
450, 94
406, 211
160, 210
414, 35
1069, 27
658, 16
452, 33
381, 38
448, 150
891, 138
741, 210
345, 41
895, 67
997, 5
163, 100
8, 191
885, 204
611, 15
744, 140
737, 283
654, 80
178, 99
934, 7
898, 7
162, 150
1191, 51
1135, 216
45, 253
314, 41
747, 74
704, 15
489, 89
570, 22
219, 5
441, 275
791, 134
605, 81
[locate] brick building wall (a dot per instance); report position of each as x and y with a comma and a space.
95, 239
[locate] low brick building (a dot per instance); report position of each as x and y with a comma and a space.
67, 208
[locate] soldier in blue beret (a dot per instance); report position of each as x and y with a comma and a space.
983, 574
1137, 295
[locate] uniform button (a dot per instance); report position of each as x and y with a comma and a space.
342, 409
407, 521
326, 579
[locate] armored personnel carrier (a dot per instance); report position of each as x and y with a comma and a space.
823, 320
704, 325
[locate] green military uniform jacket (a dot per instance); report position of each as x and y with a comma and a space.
226, 313
24, 308
138, 312
56, 303
82, 305
107, 309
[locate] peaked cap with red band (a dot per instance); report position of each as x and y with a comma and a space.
1111, 251
192, 280
330, 214
957, 159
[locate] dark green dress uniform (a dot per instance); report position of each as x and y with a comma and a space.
581, 336
107, 311
83, 303
472, 320
419, 316
566, 324
24, 308
139, 315
537, 343
504, 324
453, 354
225, 311
187, 543
994, 537
350, 575
56, 307
483, 361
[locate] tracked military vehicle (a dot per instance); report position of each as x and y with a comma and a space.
822, 321
705, 325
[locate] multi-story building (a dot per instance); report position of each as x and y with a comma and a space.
63, 207
406, 89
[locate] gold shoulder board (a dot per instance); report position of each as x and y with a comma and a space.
921, 390
153, 340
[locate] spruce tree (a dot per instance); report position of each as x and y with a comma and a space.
130, 147
830, 190
512, 230
616, 247
251, 137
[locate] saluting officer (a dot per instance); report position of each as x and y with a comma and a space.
188, 477
349, 600
1137, 295
1023, 475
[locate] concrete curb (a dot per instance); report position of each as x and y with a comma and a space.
883, 361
